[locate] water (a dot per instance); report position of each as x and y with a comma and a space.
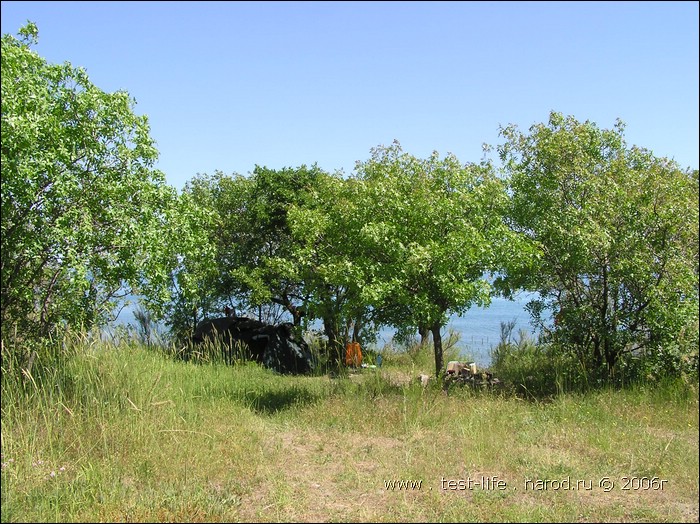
480, 328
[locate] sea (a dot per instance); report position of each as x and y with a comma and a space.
479, 329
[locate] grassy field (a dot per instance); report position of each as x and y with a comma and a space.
127, 434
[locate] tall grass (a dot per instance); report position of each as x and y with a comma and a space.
542, 370
98, 431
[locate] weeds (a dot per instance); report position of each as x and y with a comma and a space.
96, 431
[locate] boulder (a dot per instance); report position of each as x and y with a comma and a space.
274, 346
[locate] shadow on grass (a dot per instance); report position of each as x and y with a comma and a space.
270, 402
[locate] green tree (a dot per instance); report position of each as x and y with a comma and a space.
277, 242
431, 232
615, 231
330, 264
84, 214
270, 269
190, 256
255, 250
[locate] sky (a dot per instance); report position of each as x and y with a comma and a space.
231, 85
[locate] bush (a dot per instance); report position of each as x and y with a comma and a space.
542, 369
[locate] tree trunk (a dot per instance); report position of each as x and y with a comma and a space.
597, 354
297, 313
424, 332
604, 328
437, 345
356, 329
335, 343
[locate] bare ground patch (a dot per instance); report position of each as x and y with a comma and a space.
325, 477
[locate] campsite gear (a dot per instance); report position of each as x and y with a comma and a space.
353, 354
466, 374
275, 346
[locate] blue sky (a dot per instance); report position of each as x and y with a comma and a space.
228, 85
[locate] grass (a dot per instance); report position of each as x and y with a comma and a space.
122, 433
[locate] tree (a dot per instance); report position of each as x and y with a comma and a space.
615, 231
192, 274
330, 263
84, 214
254, 246
270, 269
277, 240
430, 233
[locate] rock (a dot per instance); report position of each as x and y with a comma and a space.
274, 346
467, 374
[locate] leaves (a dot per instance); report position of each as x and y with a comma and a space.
615, 233
83, 213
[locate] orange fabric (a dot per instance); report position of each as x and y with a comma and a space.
353, 354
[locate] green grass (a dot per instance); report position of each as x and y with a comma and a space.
122, 433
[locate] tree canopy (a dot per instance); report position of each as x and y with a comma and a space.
429, 237
84, 214
615, 232
606, 234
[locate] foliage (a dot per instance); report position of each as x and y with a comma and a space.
429, 233
606, 234
258, 245
246, 256
84, 214
331, 264
193, 270
615, 232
